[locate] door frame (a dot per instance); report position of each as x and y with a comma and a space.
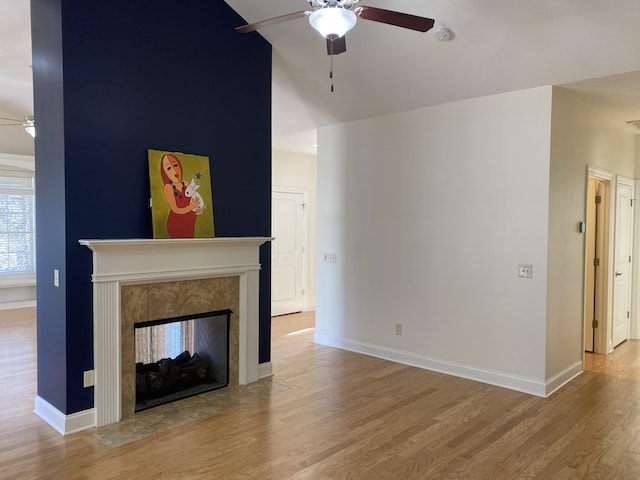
635, 276
602, 337
305, 235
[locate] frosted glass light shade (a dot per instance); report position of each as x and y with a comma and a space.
30, 125
332, 21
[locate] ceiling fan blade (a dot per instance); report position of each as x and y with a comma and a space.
271, 21
404, 20
10, 124
11, 120
336, 46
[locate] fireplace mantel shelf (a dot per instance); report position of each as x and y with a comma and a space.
140, 259
184, 242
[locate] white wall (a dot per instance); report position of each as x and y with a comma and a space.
430, 212
581, 136
20, 292
13, 139
298, 170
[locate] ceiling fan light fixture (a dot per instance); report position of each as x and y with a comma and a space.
30, 126
332, 21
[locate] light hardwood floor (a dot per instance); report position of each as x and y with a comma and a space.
344, 415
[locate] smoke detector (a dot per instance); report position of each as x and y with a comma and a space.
442, 34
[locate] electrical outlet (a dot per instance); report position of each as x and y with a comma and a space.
525, 271
88, 378
398, 329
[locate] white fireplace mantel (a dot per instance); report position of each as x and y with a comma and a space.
134, 261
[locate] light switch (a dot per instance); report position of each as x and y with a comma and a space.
330, 258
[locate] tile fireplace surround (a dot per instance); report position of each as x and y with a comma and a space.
139, 279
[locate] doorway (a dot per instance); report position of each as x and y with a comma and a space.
597, 261
608, 261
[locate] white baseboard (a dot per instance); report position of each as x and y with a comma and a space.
265, 370
61, 423
562, 378
15, 305
491, 377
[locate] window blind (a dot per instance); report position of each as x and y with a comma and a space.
17, 223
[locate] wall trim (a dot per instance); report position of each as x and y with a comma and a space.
491, 377
560, 379
265, 370
61, 423
27, 162
16, 305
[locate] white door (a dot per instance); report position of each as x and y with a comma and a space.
286, 252
622, 256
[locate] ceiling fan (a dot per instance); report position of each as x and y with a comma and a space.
28, 124
334, 18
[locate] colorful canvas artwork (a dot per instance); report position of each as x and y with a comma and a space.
181, 200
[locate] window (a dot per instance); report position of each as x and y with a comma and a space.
17, 226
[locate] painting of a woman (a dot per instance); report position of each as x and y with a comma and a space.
181, 197
181, 221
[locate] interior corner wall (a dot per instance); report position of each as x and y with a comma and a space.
298, 170
113, 78
581, 136
430, 212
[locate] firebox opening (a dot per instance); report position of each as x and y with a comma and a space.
181, 357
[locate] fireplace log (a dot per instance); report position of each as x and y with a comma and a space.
200, 367
165, 365
155, 380
183, 358
173, 377
146, 367
169, 375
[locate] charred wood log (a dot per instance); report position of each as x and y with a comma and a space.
169, 375
183, 358
155, 380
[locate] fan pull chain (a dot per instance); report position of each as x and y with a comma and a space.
331, 69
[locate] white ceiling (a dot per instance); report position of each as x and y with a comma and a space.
16, 86
498, 46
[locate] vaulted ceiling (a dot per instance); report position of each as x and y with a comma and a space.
498, 46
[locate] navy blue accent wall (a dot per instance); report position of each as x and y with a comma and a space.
139, 74
50, 205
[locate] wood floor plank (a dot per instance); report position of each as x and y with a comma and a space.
340, 415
